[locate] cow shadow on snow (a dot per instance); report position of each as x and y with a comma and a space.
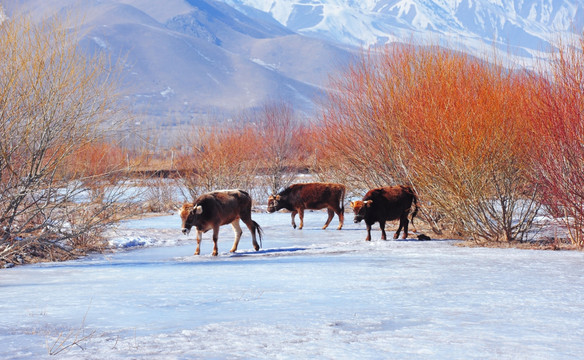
273, 251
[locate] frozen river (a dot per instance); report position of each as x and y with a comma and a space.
308, 293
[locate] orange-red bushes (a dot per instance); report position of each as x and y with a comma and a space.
449, 124
219, 158
98, 159
557, 118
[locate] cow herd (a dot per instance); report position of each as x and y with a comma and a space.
211, 210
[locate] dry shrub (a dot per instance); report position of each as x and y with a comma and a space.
218, 158
357, 141
279, 139
160, 194
98, 159
448, 124
557, 118
468, 144
99, 165
261, 152
54, 102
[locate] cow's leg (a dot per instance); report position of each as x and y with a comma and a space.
341, 216
382, 226
199, 237
331, 214
406, 225
215, 238
237, 230
301, 216
368, 238
294, 212
403, 224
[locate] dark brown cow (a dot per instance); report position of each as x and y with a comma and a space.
211, 210
386, 204
315, 196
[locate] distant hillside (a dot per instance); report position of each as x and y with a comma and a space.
190, 60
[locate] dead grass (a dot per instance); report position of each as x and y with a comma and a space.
32, 252
540, 244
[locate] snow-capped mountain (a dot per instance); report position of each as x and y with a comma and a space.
521, 27
189, 59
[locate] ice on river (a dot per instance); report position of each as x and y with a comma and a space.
308, 293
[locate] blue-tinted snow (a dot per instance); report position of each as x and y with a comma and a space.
307, 294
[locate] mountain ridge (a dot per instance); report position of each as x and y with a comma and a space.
203, 60
188, 61
526, 26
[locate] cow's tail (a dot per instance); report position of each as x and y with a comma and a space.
415, 212
343, 190
257, 227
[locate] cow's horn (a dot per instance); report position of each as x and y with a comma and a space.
198, 210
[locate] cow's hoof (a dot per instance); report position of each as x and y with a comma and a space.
257, 248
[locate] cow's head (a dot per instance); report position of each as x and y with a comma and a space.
360, 208
188, 214
273, 203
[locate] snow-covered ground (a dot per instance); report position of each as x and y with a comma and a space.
307, 294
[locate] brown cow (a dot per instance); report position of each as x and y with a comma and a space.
386, 204
315, 196
211, 210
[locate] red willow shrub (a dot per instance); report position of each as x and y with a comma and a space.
447, 123
98, 159
260, 153
219, 158
557, 119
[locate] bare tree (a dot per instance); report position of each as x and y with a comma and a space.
54, 101
279, 141
218, 158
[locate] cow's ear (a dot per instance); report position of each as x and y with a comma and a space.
368, 202
352, 204
198, 210
185, 209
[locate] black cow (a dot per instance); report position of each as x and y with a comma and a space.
211, 210
386, 204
